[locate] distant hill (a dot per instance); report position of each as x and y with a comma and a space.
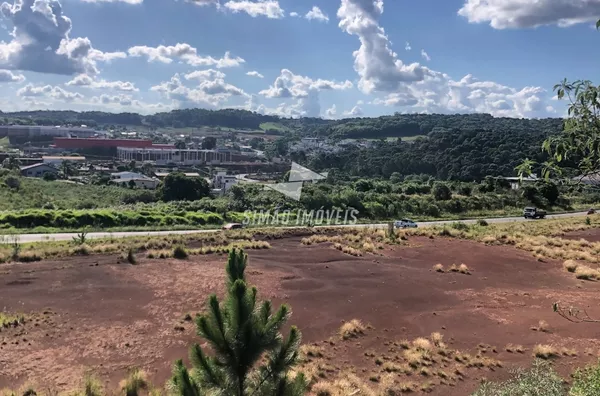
397, 125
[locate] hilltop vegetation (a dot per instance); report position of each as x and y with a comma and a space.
397, 125
446, 154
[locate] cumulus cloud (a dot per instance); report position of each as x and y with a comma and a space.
425, 55
8, 76
203, 75
377, 65
255, 74
439, 93
212, 91
294, 14
114, 1
305, 89
41, 41
49, 91
503, 14
269, 8
355, 112
316, 14
331, 112
83, 80
290, 85
418, 88
202, 3
184, 52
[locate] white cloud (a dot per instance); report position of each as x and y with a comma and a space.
407, 46
503, 14
49, 91
41, 43
185, 53
290, 85
305, 89
294, 14
83, 80
106, 56
425, 55
255, 74
8, 76
212, 91
418, 88
355, 112
268, 8
202, 3
316, 14
203, 75
115, 1
331, 112
377, 65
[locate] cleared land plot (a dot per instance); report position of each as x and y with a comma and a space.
95, 313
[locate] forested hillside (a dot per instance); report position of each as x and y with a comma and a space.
398, 125
446, 154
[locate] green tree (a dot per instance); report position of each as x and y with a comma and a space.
241, 331
49, 176
209, 143
11, 163
441, 192
178, 187
180, 144
13, 182
550, 191
67, 169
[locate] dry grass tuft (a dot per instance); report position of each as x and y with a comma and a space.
587, 273
352, 329
453, 268
570, 265
438, 268
511, 348
545, 351
568, 352
422, 344
437, 338
463, 269
136, 381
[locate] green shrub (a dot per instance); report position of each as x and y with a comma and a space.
588, 221
539, 380
180, 253
586, 382
460, 226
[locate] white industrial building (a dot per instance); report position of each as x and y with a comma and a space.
163, 156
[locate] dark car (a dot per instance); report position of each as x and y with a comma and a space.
591, 211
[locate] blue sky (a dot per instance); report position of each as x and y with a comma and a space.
321, 58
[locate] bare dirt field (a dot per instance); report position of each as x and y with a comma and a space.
94, 313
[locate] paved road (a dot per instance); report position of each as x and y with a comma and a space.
25, 238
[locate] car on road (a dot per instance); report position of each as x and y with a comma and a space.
233, 226
405, 223
591, 211
534, 213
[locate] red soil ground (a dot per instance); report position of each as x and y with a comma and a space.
96, 314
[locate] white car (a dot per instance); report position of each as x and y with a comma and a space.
404, 223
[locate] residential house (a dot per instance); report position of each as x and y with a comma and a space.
223, 182
38, 170
143, 182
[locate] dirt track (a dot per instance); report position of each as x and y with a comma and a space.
107, 317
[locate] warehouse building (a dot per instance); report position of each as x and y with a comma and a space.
163, 156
